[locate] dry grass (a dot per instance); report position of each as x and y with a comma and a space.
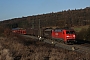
5, 53
21, 48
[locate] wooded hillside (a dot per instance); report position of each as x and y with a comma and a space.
77, 17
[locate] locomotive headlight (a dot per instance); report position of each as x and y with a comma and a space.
73, 35
67, 36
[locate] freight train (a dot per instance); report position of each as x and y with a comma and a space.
65, 35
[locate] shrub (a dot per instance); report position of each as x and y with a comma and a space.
1, 31
88, 34
7, 32
82, 34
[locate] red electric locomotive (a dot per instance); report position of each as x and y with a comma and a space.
66, 35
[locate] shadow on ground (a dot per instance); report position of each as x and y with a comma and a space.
82, 42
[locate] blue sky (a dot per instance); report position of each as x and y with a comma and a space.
21, 8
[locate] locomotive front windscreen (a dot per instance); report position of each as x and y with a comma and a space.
70, 32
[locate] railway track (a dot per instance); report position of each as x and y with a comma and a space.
75, 47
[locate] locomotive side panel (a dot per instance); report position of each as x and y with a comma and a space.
58, 34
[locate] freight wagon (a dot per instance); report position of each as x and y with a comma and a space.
19, 30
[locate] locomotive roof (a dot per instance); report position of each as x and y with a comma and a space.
62, 29
49, 29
